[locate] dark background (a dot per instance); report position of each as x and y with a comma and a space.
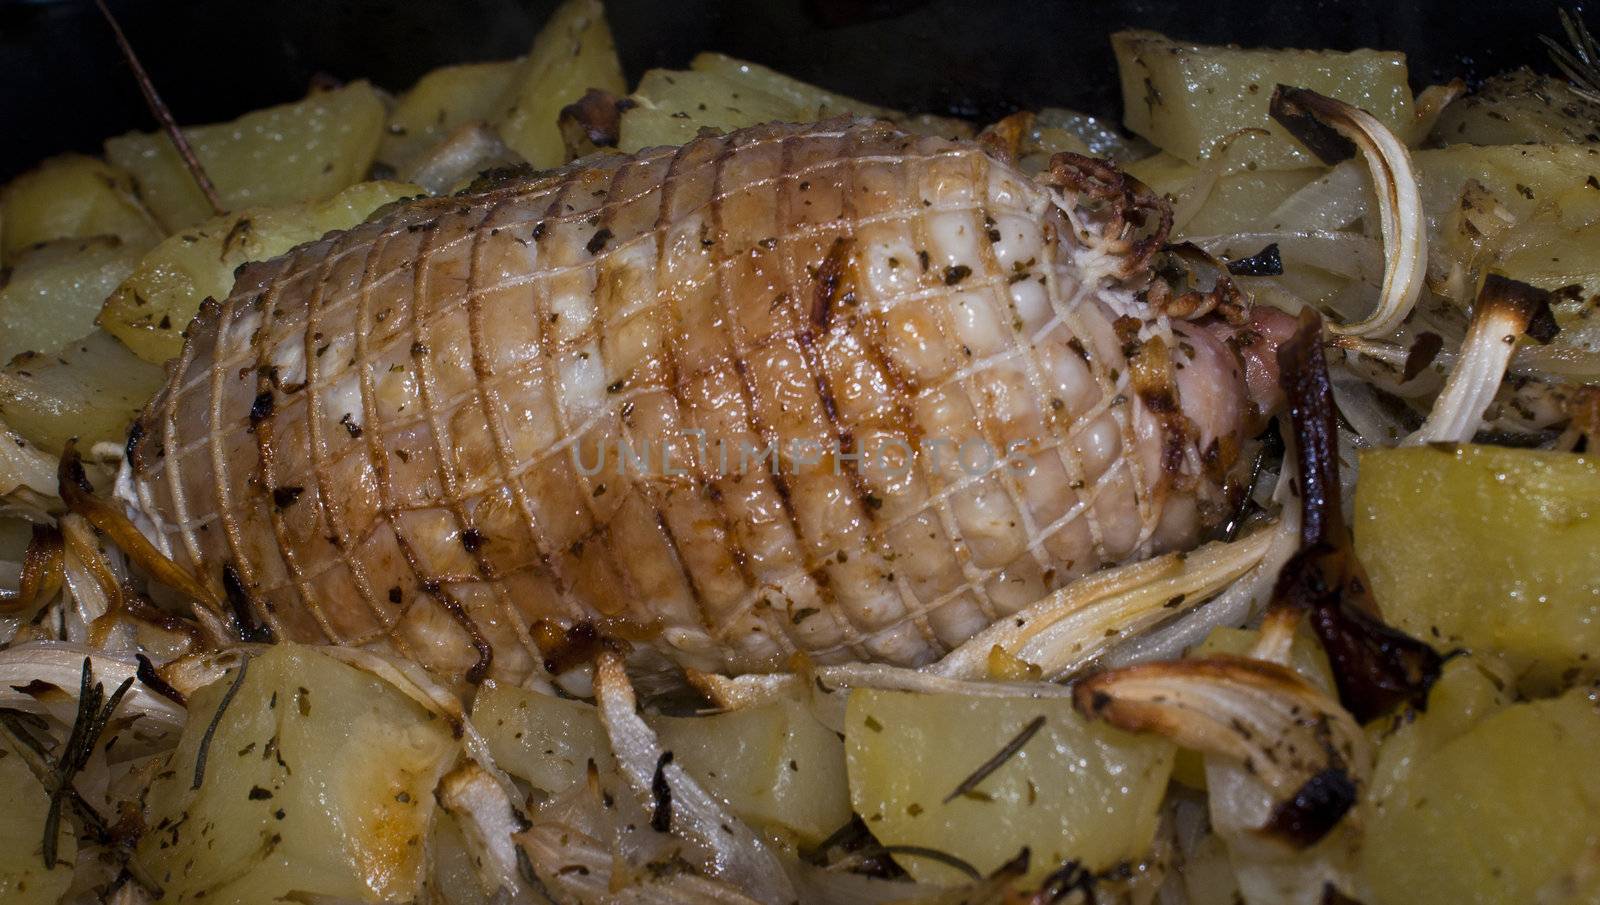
63, 85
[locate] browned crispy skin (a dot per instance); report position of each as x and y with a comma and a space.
385, 434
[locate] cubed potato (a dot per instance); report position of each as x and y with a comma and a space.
1244, 201
546, 740
674, 106
1500, 813
809, 101
56, 290
318, 779
23, 878
1075, 790
1164, 173
73, 197
91, 389
151, 309
280, 155
1520, 107
1551, 256
1486, 547
439, 103
1468, 689
572, 53
1186, 98
775, 765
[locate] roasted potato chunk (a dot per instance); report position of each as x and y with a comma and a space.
91, 389
775, 765
674, 106
280, 155
1187, 98
572, 53
1489, 548
318, 779
1506, 811
73, 197
439, 103
151, 309
1075, 790
1520, 107
56, 290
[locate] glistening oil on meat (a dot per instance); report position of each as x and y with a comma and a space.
888, 390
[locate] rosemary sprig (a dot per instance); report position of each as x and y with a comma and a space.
1580, 61
204, 750
998, 760
158, 108
94, 712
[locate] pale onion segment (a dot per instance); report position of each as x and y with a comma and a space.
1192, 198
1399, 195
1073, 626
1430, 102
720, 845
60, 664
1504, 311
488, 821
1023, 654
1234, 606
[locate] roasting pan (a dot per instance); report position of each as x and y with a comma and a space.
64, 87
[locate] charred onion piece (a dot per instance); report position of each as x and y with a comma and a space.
1334, 130
592, 122
78, 494
1506, 309
1374, 665
42, 573
1288, 733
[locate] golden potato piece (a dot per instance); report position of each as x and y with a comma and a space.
809, 101
1520, 107
1490, 548
438, 104
73, 197
56, 290
572, 53
1075, 790
151, 309
1500, 813
90, 389
1186, 98
318, 779
775, 765
279, 155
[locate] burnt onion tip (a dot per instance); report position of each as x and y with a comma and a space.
1314, 809
1375, 666
1299, 110
1268, 262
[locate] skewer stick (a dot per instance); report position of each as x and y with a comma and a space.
159, 108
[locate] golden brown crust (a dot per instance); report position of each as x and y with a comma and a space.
378, 431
